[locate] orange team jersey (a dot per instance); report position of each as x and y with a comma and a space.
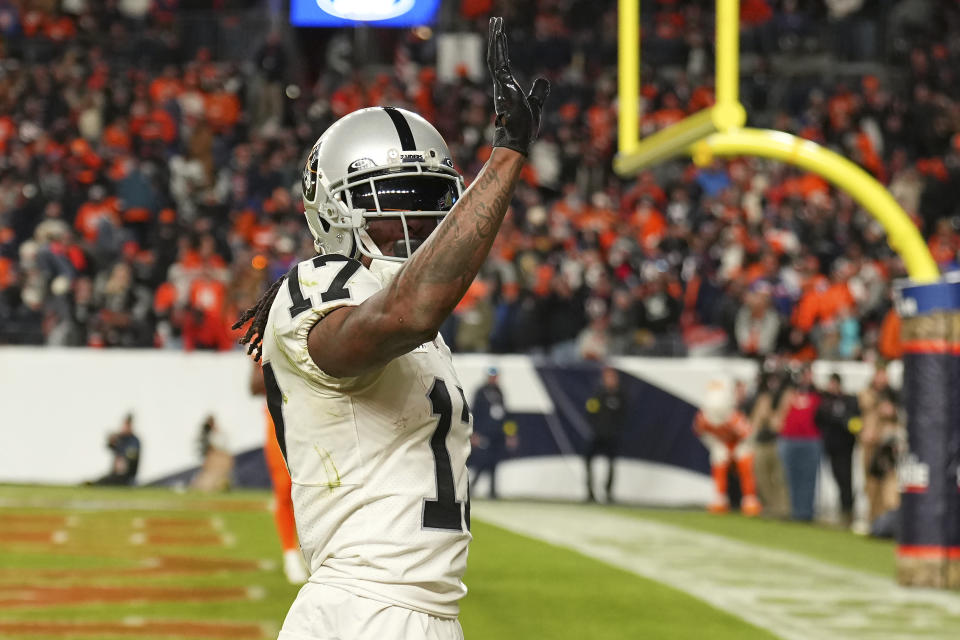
271, 451
91, 213
222, 110
163, 89
208, 294
283, 516
731, 432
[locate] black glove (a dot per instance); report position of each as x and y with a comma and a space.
518, 115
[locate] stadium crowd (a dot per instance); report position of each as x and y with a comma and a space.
149, 187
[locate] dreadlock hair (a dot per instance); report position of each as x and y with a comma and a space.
258, 313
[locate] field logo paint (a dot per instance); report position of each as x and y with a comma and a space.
367, 10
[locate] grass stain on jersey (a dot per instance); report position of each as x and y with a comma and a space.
333, 475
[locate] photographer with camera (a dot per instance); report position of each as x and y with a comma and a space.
881, 438
125, 447
771, 487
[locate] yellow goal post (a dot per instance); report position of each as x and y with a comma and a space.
719, 131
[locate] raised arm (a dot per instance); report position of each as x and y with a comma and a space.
409, 312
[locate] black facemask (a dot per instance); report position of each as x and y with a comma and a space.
409, 193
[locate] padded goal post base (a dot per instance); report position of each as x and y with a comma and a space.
928, 554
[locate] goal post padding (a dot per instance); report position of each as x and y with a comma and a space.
928, 551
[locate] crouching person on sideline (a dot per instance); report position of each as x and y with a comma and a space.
725, 432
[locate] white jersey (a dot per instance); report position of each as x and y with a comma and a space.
378, 462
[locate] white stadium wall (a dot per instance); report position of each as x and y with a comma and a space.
60, 404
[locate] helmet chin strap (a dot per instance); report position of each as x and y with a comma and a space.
383, 270
367, 242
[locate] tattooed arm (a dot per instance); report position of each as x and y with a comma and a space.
409, 312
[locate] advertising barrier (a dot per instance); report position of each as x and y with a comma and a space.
61, 404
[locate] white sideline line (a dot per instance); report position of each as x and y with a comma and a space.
793, 596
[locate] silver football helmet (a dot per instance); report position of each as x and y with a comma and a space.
381, 162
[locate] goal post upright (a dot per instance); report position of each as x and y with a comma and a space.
628, 75
719, 131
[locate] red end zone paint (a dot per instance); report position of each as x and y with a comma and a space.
929, 552
162, 566
164, 628
29, 537
32, 596
187, 540
177, 522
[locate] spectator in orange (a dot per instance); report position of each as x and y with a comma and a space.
648, 224
646, 185
837, 298
116, 136
889, 344
670, 113
205, 324
825, 300
755, 12
152, 125
167, 86
98, 211
222, 110
944, 243
601, 120
59, 28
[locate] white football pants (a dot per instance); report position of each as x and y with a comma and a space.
322, 612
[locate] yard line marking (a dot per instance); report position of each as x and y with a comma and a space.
133, 504
793, 596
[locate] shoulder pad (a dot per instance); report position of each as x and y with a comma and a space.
311, 290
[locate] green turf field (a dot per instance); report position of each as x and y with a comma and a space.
121, 563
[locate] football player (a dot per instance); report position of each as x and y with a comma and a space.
368, 409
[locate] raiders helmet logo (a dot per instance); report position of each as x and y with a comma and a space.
309, 178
